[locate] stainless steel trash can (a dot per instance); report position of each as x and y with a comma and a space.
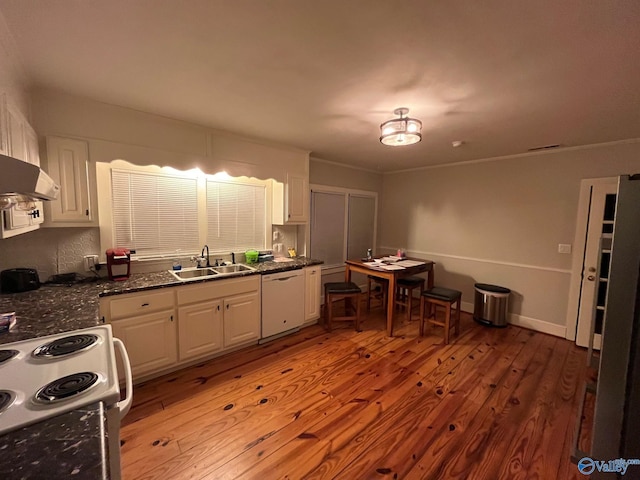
491, 304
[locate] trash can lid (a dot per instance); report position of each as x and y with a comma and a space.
492, 288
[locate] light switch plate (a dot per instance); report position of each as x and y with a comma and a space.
564, 248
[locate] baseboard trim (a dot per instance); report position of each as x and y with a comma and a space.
538, 325
526, 322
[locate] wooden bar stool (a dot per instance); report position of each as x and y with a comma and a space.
336, 291
440, 297
371, 293
404, 292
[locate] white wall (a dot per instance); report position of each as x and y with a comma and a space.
322, 172
12, 77
141, 138
500, 222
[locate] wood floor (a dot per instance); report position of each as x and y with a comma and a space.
494, 404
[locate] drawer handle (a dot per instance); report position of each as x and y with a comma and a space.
144, 305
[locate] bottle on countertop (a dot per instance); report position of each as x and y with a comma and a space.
177, 263
369, 254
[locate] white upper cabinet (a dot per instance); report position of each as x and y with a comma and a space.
4, 130
17, 137
291, 204
67, 162
31, 145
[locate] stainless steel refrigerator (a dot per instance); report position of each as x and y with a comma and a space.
616, 426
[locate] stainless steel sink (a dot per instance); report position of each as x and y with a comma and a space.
195, 273
237, 268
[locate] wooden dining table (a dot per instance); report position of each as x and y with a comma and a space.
358, 265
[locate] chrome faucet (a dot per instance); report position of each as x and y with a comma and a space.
207, 257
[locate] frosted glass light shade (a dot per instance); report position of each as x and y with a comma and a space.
401, 131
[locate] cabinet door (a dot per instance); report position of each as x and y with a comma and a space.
4, 128
150, 340
31, 145
16, 133
199, 329
241, 319
297, 198
312, 293
68, 165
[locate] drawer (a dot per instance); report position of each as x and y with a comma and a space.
217, 289
133, 304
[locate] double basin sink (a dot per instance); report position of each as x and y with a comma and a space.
195, 273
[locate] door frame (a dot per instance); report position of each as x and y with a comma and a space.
579, 247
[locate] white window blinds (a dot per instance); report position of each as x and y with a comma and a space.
154, 214
236, 216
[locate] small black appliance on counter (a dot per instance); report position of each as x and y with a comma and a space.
16, 280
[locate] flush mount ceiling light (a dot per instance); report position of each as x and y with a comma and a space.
401, 131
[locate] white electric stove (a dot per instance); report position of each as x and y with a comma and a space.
46, 376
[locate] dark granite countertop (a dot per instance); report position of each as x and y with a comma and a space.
71, 445
163, 279
61, 308
51, 309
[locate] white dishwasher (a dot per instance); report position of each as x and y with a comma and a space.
282, 302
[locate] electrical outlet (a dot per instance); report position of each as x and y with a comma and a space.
564, 248
90, 262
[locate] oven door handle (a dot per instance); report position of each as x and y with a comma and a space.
125, 405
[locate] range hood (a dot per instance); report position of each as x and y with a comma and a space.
21, 181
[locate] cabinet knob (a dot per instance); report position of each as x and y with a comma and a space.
218, 307
227, 306
171, 318
86, 212
591, 278
144, 305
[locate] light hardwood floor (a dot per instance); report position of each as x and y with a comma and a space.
494, 404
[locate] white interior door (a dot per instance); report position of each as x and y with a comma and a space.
595, 267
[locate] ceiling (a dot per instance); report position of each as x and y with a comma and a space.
500, 76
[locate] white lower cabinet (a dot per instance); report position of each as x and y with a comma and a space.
241, 319
312, 293
150, 340
169, 327
200, 329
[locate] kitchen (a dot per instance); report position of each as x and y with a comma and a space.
498, 220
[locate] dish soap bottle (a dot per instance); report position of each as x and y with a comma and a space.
177, 265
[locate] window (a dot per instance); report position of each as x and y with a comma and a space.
343, 224
158, 211
235, 216
154, 214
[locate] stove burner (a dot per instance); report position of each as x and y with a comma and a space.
6, 355
6, 399
66, 387
66, 346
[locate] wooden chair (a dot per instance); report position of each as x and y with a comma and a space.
440, 297
404, 292
372, 293
336, 291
